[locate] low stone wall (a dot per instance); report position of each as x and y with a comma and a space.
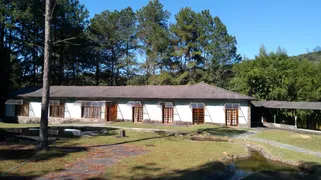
223, 124
182, 123
285, 126
268, 156
35, 120
147, 121
248, 125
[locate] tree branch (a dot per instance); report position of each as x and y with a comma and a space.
64, 40
53, 9
72, 43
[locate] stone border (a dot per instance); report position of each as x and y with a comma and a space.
266, 155
53, 120
285, 126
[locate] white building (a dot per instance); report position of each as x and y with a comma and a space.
182, 104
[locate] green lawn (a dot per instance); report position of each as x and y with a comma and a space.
16, 125
287, 154
14, 153
203, 128
206, 129
166, 154
307, 141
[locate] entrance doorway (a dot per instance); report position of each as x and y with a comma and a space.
137, 114
168, 114
232, 117
198, 115
111, 112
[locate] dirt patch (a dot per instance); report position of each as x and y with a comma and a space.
302, 136
94, 164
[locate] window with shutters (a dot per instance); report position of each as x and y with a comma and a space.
91, 112
57, 110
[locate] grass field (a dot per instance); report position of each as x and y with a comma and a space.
203, 128
16, 125
288, 154
174, 157
307, 141
166, 155
206, 129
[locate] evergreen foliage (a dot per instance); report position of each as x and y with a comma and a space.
124, 47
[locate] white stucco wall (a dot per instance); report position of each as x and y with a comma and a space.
152, 111
35, 109
215, 113
214, 110
124, 111
244, 113
182, 111
72, 110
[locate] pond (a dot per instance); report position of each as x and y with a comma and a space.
257, 163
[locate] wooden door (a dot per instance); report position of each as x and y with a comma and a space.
232, 117
111, 112
198, 115
137, 114
168, 115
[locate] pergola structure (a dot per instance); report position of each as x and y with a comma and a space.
286, 105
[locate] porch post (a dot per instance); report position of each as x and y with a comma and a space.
295, 121
274, 118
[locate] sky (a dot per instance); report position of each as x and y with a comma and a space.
294, 25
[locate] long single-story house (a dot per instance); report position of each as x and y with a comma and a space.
182, 104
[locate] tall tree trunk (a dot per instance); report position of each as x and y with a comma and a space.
4, 78
43, 135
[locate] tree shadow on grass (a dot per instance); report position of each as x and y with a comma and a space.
212, 170
26, 176
17, 148
221, 131
129, 141
216, 170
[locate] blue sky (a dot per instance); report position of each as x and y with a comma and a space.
292, 24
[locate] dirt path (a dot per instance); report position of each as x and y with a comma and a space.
94, 164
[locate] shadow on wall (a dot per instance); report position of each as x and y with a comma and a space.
11, 119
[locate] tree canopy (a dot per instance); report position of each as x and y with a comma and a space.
124, 47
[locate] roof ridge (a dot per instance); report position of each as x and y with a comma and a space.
233, 92
195, 91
